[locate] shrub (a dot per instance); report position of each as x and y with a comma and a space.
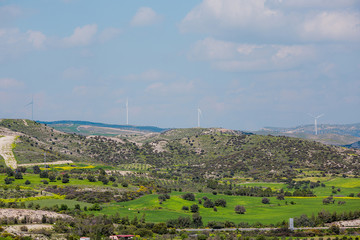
65, 180
188, 196
91, 178
185, 208
124, 184
220, 202
265, 200
194, 208
209, 204
240, 209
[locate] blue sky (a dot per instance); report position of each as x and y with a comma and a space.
245, 64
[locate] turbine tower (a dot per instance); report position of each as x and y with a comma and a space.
127, 111
32, 107
199, 115
315, 121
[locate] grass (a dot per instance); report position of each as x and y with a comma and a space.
255, 211
52, 202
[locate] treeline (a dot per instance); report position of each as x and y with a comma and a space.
325, 217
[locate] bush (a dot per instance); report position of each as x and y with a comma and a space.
188, 196
265, 200
209, 204
65, 180
185, 208
143, 232
220, 202
27, 182
240, 209
194, 208
124, 184
91, 178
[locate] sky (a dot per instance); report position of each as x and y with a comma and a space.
245, 64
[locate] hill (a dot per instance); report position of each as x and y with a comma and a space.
336, 134
340, 129
92, 128
353, 145
194, 152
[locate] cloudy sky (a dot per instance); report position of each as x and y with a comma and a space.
245, 64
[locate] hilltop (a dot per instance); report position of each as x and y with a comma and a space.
193, 152
92, 128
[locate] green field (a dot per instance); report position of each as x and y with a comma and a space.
274, 212
36, 181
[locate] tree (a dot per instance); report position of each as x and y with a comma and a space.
188, 196
197, 220
44, 174
265, 200
280, 197
220, 202
91, 178
194, 208
27, 182
18, 175
209, 204
240, 209
36, 169
52, 178
65, 180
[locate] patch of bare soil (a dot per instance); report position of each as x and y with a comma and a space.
349, 223
6, 151
33, 216
47, 163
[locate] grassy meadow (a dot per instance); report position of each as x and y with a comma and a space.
256, 211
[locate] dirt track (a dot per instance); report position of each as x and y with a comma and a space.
6, 151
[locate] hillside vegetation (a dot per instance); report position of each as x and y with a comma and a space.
208, 153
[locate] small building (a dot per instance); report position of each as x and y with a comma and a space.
84, 238
121, 237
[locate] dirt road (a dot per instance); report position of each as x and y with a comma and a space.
6, 151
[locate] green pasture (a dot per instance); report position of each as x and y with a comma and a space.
52, 202
274, 212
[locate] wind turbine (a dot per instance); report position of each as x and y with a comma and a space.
315, 119
199, 115
32, 107
127, 111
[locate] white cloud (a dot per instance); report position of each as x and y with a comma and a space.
6, 83
82, 36
145, 16
14, 43
343, 26
36, 38
214, 15
109, 33
232, 56
150, 75
210, 48
276, 21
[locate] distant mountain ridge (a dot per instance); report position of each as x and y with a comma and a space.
88, 128
333, 134
353, 145
341, 129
